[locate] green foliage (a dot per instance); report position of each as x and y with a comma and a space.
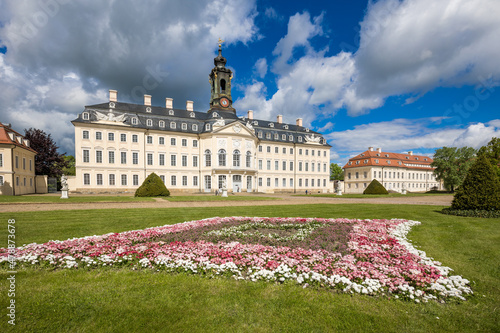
152, 187
480, 190
375, 188
336, 172
492, 152
47, 161
452, 164
68, 168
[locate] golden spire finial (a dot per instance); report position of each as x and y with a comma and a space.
220, 42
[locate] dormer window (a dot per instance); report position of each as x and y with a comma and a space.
260, 134
255, 122
149, 122
148, 109
85, 116
386, 155
376, 161
416, 158
271, 125
268, 135
192, 115
299, 139
276, 136
207, 127
283, 137
111, 105
285, 127
215, 115
350, 163
170, 112
161, 124
407, 157
357, 162
195, 127
400, 163
172, 125
378, 154
307, 130
366, 162
362, 154
184, 126
134, 121
388, 162
425, 159
290, 138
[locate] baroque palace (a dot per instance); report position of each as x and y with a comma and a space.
395, 171
117, 145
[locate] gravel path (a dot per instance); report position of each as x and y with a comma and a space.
441, 200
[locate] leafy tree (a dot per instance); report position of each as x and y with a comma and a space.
492, 152
48, 161
152, 186
69, 169
375, 188
481, 188
452, 164
336, 172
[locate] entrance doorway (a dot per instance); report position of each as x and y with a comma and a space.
236, 183
249, 183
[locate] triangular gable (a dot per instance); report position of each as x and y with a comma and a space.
235, 128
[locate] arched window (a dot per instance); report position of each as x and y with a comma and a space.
222, 157
208, 158
149, 122
249, 159
162, 123
236, 158
222, 85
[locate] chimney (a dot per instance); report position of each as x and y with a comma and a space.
410, 153
147, 100
370, 148
280, 119
299, 122
113, 95
189, 105
169, 103
379, 150
250, 114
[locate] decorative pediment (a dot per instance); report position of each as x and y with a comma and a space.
234, 127
312, 138
110, 117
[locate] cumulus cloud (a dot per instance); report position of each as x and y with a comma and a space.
401, 135
261, 67
64, 54
407, 48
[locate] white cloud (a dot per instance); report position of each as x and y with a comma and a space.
64, 54
261, 67
400, 135
406, 48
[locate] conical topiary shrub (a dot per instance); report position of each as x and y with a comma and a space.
375, 188
480, 189
152, 187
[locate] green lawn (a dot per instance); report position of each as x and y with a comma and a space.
230, 197
368, 196
6, 199
121, 300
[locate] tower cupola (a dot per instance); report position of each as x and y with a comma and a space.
220, 82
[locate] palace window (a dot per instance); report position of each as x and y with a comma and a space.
236, 158
162, 124
135, 180
149, 122
135, 138
172, 125
99, 179
111, 157
222, 157
208, 158
123, 137
184, 142
249, 159
161, 140
85, 134
184, 126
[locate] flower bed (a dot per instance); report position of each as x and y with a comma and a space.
355, 256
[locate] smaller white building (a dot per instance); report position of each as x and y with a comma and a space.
393, 170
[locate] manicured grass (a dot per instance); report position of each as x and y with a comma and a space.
230, 197
124, 300
5, 199
368, 196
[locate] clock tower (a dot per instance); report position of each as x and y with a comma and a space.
220, 82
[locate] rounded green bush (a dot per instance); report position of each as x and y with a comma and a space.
375, 188
152, 187
480, 189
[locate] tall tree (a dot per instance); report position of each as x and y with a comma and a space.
452, 164
492, 153
336, 172
48, 161
69, 169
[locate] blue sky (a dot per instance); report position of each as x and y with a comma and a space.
401, 75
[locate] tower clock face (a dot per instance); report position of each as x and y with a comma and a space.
224, 102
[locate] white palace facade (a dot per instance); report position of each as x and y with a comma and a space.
395, 171
117, 145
